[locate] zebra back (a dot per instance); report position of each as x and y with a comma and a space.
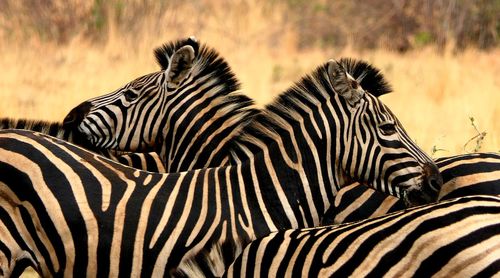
145, 161
54, 129
453, 238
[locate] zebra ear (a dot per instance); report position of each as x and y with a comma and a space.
180, 65
344, 84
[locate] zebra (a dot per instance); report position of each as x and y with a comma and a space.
188, 112
146, 161
463, 175
454, 238
67, 211
214, 115
156, 109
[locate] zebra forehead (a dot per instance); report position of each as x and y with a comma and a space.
143, 80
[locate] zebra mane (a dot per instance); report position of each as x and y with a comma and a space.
209, 60
55, 129
310, 91
369, 77
164, 52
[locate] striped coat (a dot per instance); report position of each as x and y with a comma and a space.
146, 161
453, 238
70, 212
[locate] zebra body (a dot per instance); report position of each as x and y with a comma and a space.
470, 174
75, 213
145, 161
463, 175
454, 238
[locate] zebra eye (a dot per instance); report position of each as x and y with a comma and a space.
387, 128
130, 95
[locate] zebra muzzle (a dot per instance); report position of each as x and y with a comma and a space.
77, 114
427, 191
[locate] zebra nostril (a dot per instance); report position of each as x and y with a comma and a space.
432, 177
435, 183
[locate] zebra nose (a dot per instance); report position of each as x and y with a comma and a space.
432, 178
428, 191
77, 114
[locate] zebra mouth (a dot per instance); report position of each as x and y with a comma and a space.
418, 194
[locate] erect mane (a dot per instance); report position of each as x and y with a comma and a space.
311, 90
208, 60
52, 128
369, 77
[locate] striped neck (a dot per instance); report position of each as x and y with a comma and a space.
201, 135
205, 113
292, 148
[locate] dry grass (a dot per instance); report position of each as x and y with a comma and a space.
434, 94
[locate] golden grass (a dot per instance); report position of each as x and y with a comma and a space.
434, 95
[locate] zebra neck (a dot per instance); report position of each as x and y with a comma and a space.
301, 139
294, 167
202, 137
294, 188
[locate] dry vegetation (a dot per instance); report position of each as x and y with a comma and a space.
54, 54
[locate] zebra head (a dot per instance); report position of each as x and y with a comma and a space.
378, 150
177, 111
117, 120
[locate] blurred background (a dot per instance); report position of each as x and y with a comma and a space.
442, 57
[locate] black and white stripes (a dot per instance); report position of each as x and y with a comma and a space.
77, 213
188, 112
146, 161
453, 238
